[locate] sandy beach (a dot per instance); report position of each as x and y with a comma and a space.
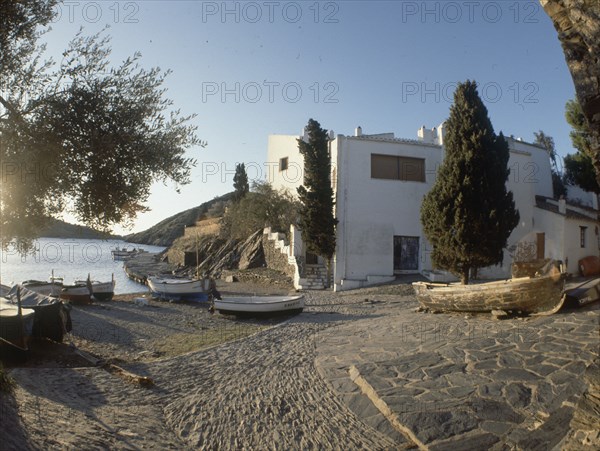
285, 383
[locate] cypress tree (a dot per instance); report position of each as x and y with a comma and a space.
317, 221
240, 182
468, 215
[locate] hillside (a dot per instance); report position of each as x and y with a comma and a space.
61, 229
166, 231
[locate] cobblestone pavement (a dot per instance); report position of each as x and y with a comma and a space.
461, 381
354, 371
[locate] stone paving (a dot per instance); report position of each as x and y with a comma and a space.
462, 381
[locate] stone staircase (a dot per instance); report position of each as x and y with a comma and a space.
305, 277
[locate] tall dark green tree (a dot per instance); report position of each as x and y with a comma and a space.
317, 220
579, 167
468, 215
547, 142
82, 136
240, 182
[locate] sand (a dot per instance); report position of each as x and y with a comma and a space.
219, 382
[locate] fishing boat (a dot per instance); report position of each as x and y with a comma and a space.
52, 317
16, 324
78, 293
51, 288
260, 305
178, 289
583, 293
541, 295
103, 291
125, 253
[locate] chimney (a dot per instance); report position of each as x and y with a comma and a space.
358, 131
562, 205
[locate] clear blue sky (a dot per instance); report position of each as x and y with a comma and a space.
389, 66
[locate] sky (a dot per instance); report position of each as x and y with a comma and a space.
251, 69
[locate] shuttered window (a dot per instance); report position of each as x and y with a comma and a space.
397, 168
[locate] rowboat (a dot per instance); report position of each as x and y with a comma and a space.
52, 317
78, 293
16, 324
51, 288
541, 295
178, 289
260, 305
124, 253
101, 291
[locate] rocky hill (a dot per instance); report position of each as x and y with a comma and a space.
61, 229
167, 231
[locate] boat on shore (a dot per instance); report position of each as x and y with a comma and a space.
16, 324
540, 295
260, 305
51, 288
84, 291
178, 289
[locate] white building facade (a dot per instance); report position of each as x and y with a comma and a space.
379, 183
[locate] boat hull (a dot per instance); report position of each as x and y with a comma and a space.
15, 331
260, 305
76, 294
44, 288
537, 295
179, 289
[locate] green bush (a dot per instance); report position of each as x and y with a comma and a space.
262, 207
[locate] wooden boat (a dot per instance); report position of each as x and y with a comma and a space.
584, 293
178, 289
52, 317
101, 291
534, 295
78, 293
260, 305
51, 288
16, 324
125, 253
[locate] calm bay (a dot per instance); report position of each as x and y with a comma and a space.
73, 259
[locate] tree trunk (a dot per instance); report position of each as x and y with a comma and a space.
464, 278
578, 25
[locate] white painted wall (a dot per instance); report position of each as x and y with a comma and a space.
573, 250
281, 146
372, 211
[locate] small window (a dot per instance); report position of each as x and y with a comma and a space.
283, 164
582, 233
391, 167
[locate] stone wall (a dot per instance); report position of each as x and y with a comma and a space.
275, 259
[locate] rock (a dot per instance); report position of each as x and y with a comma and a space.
251, 252
231, 279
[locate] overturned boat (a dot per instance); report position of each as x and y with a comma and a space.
260, 305
540, 295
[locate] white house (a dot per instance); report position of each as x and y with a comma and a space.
379, 182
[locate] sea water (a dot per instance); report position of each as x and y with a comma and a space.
73, 259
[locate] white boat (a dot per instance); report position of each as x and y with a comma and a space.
178, 288
101, 291
51, 288
260, 305
125, 253
79, 293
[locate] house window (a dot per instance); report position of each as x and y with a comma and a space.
283, 164
397, 168
582, 231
